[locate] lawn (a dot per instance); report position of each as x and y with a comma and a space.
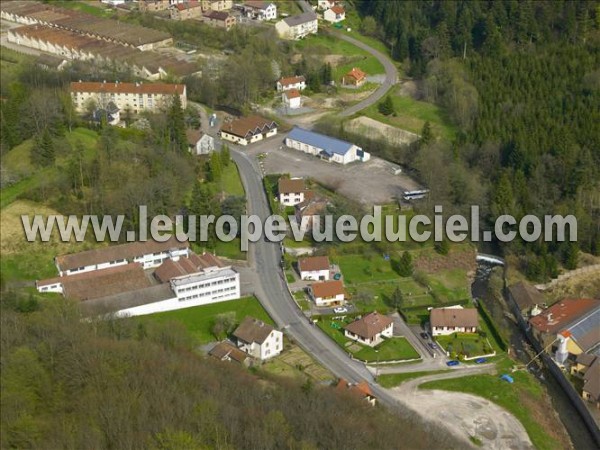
514, 397
393, 349
83, 7
468, 344
360, 269
231, 182
391, 380
199, 320
412, 114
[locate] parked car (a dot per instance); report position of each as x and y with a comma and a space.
507, 378
452, 362
480, 360
432, 346
340, 310
424, 335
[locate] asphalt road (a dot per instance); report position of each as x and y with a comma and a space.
271, 289
391, 76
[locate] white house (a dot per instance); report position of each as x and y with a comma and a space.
247, 130
335, 14
327, 148
258, 339
199, 143
260, 10
297, 27
370, 329
149, 253
328, 293
452, 320
292, 191
287, 83
314, 268
292, 99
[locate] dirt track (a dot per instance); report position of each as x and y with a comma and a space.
464, 414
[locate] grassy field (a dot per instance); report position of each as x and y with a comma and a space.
467, 344
83, 7
324, 44
231, 182
412, 114
295, 363
394, 349
516, 398
391, 380
200, 319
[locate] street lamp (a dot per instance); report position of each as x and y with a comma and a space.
377, 366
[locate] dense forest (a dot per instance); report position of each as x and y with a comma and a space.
521, 81
68, 383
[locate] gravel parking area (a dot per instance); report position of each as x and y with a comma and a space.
370, 183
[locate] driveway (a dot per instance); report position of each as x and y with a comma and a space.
465, 414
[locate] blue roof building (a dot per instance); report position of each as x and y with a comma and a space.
326, 147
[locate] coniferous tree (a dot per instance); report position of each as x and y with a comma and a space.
386, 107
225, 156
176, 126
405, 266
215, 168
426, 134
42, 153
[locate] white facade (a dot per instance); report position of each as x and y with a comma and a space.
210, 286
113, 2
338, 299
349, 156
300, 85
205, 145
270, 347
249, 139
292, 103
375, 340
298, 31
291, 198
315, 275
138, 99
269, 12
325, 4
334, 17
443, 331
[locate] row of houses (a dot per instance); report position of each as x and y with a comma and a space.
43, 14
118, 279
71, 45
162, 5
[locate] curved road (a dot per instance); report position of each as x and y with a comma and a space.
391, 73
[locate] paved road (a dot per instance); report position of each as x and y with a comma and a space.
391, 75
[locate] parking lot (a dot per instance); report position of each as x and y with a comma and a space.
370, 183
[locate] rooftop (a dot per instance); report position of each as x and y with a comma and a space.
326, 143
225, 350
186, 266
356, 73
525, 295
591, 380
370, 325
253, 330
338, 9
116, 253
292, 93
329, 288
563, 314
300, 19
454, 317
248, 126
291, 185
313, 263
128, 88
361, 388
287, 81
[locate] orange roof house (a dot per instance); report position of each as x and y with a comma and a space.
355, 77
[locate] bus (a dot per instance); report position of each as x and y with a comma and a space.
415, 195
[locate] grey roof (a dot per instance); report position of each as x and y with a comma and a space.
327, 144
131, 299
300, 19
586, 332
253, 330
525, 295
203, 276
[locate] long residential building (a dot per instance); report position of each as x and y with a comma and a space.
136, 97
74, 46
149, 254
36, 13
326, 147
298, 26
247, 130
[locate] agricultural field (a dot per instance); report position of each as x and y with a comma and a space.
293, 362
